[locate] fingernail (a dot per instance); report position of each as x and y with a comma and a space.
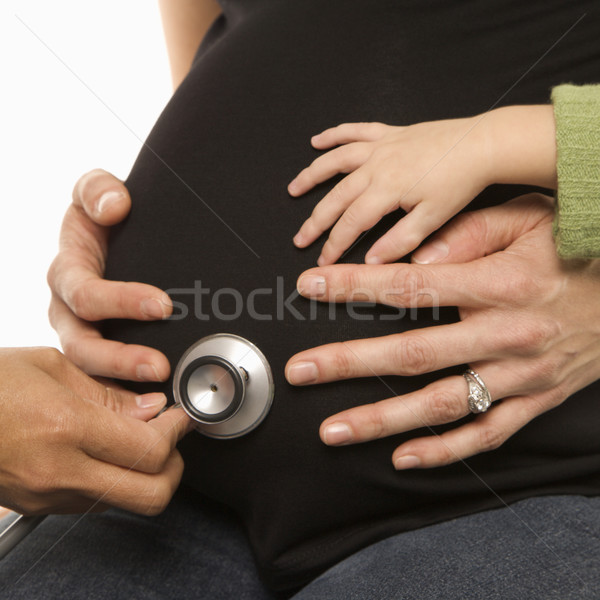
299, 239
151, 400
373, 260
337, 433
311, 285
147, 373
107, 200
302, 372
407, 462
154, 308
293, 186
431, 253
315, 138
321, 261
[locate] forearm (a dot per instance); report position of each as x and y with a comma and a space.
521, 145
185, 23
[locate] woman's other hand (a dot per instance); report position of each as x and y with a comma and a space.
71, 444
80, 295
530, 326
430, 170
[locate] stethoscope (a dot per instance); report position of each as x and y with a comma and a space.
223, 382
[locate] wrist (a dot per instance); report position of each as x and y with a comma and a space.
520, 145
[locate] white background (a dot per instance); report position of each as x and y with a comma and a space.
83, 95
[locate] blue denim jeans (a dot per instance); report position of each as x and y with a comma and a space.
540, 548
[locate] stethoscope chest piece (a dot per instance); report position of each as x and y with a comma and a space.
225, 383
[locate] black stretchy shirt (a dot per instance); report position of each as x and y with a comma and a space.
211, 211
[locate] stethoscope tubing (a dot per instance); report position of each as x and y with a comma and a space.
16, 532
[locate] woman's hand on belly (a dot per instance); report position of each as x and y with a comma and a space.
80, 296
530, 326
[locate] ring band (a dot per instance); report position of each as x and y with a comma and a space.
479, 397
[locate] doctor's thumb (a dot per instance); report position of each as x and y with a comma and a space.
143, 406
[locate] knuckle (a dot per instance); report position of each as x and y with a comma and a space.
380, 154
43, 479
410, 240
72, 349
118, 363
473, 226
406, 285
557, 395
67, 428
52, 315
531, 337
319, 219
490, 438
512, 286
387, 174
41, 483
111, 400
351, 154
337, 196
350, 220
52, 274
51, 358
178, 466
523, 287
376, 128
521, 284
378, 421
342, 363
156, 498
78, 300
351, 281
158, 454
412, 355
546, 371
441, 406
444, 455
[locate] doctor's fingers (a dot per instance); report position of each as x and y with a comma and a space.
130, 443
109, 395
32, 503
84, 345
143, 493
102, 196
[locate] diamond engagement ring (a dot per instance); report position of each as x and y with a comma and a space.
479, 397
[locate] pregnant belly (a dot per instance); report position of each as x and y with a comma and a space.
212, 224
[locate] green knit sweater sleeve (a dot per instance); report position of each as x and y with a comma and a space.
577, 222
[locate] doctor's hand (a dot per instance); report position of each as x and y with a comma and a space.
530, 326
80, 295
70, 444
